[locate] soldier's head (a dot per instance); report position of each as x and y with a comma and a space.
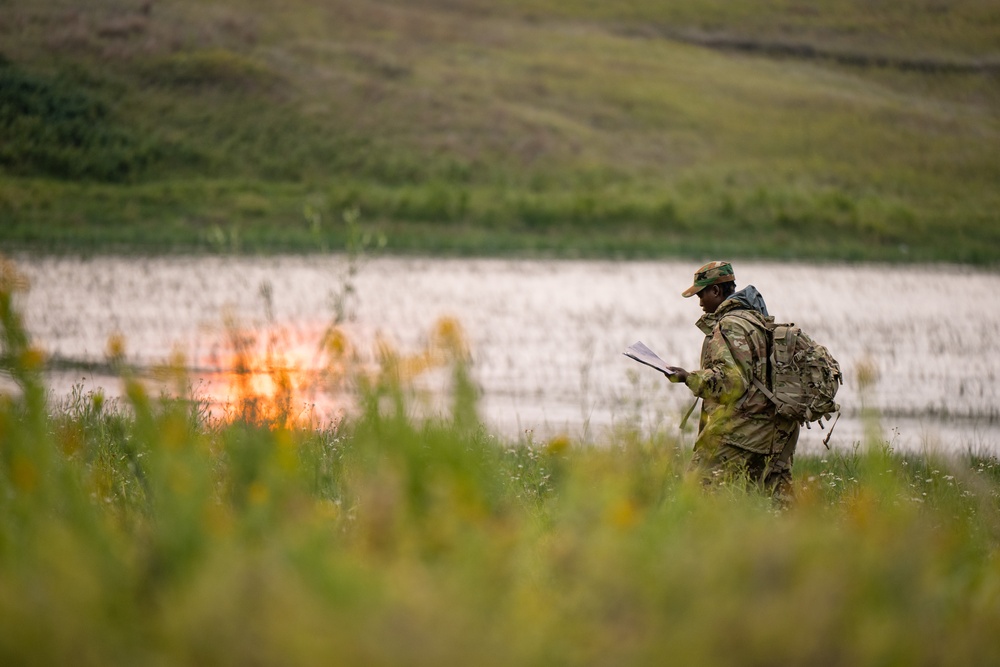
713, 283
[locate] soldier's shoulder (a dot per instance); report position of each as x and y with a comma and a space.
742, 319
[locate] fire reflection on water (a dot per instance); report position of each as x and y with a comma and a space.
295, 377
278, 376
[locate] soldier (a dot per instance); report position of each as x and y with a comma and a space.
740, 434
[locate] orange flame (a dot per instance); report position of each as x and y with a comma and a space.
287, 379
276, 378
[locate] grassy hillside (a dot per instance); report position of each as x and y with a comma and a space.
810, 129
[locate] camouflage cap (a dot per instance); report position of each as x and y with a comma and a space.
712, 273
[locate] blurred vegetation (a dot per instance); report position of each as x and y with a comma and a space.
145, 531
831, 129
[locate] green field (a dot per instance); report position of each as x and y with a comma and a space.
144, 532
784, 129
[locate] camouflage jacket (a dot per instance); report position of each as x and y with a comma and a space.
734, 411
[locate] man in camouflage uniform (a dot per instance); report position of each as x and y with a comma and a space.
740, 434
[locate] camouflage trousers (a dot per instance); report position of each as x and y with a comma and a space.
726, 464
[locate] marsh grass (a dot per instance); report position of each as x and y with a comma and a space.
142, 530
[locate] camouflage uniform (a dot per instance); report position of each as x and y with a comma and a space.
740, 432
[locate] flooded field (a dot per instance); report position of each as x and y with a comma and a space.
546, 337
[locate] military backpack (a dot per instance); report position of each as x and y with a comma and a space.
802, 375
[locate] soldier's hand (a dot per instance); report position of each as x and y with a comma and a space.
677, 374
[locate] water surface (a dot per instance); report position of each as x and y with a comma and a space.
546, 337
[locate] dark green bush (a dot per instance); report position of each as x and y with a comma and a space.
53, 127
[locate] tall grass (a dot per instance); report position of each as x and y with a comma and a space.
145, 531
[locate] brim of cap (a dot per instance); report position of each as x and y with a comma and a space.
691, 291
694, 289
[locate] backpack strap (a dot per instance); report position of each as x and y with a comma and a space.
763, 389
783, 457
757, 320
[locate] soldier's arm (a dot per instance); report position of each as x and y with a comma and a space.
724, 377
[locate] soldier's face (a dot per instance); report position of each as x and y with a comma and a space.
710, 298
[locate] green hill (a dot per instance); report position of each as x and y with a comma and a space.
834, 130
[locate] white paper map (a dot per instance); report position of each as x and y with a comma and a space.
644, 355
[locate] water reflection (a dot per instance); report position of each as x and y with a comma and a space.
545, 336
